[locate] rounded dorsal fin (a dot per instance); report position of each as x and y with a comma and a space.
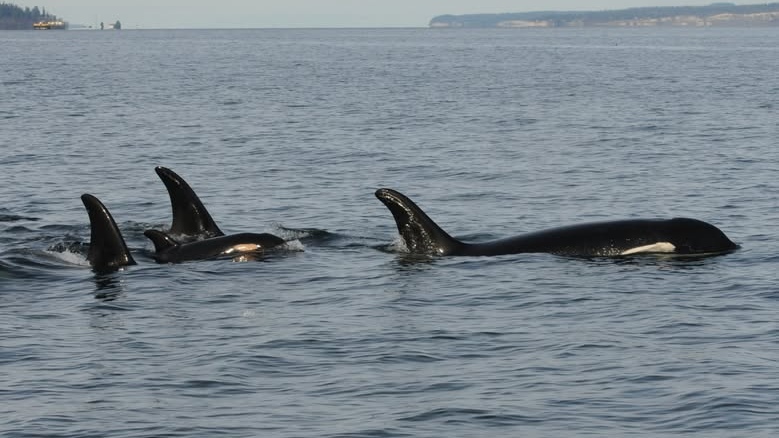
161, 241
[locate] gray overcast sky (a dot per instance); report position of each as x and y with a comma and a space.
306, 13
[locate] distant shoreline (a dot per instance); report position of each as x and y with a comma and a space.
716, 14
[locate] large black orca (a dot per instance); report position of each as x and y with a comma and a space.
192, 220
615, 238
107, 248
190, 217
169, 250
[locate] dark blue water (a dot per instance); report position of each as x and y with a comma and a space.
492, 132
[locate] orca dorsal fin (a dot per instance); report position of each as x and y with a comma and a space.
161, 241
190, 216
107, 249
419, 233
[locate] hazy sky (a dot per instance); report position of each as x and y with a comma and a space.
306, 13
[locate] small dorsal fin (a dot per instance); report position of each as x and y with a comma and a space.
160, 240
107, 248
190, 216
420, 234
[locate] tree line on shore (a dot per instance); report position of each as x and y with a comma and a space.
13, 17
562, 18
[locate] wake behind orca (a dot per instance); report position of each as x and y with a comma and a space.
608, 239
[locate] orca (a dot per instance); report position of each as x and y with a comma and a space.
168, 250
600, 239
190, 217
107, 248
202, 237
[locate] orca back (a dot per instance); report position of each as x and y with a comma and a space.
612, 238
168, 250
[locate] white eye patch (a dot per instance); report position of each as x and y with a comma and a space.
659, 247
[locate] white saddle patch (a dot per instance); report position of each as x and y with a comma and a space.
659, 247
243, 247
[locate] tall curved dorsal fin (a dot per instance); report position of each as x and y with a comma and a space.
190, 216
420, 234
107, 249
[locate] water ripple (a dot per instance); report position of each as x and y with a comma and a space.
290, 131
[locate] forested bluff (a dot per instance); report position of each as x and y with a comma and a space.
13, 17
715, 14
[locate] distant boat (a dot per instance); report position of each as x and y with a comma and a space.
47, 25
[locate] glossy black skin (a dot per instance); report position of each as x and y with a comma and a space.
170, 251
107, 248
688, 236
191, 220
190, 217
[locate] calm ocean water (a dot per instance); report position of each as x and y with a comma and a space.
492, 132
